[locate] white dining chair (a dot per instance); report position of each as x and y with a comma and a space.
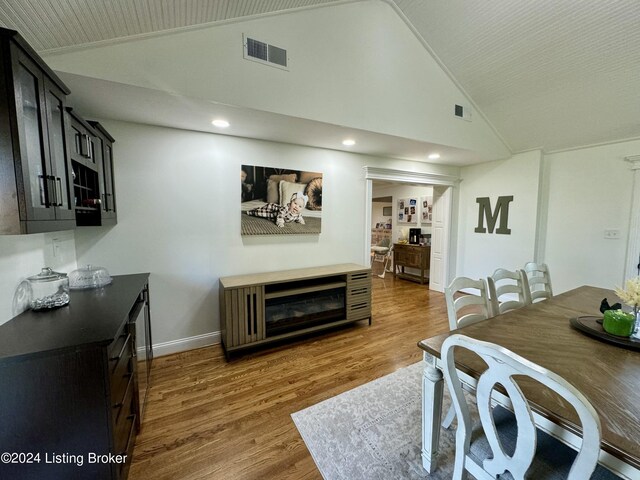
506, 441
539, 280
504, 285
458, 296
478, 307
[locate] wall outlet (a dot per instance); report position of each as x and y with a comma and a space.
612, 234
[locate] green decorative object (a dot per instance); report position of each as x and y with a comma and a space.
617, 322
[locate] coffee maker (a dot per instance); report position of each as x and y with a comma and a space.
414, 236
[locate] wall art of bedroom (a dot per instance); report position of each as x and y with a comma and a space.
277, 201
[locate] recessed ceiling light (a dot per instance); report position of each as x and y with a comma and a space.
220, 123
349, 142
434, 156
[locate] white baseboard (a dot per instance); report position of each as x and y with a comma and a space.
184, 344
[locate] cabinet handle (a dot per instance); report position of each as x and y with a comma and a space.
43, 196
124, 345
131, 417
89, 147
53, 202
83, 144
120, 404
53, 195
59, 191
78, 143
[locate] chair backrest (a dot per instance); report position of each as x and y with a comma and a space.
506, 282
539, 281
385, 242
502, 366
483, 309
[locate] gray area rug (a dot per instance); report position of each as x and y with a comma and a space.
374, 431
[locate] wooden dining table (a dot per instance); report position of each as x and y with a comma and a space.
607, 374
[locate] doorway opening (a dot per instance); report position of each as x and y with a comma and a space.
381, 232
421, 208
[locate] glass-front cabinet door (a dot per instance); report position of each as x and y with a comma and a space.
33, 153
36, 193
104, 158
59, 152
108, 179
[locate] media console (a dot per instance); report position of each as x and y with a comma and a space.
262, 308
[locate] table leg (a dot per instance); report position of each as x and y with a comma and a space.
431, 412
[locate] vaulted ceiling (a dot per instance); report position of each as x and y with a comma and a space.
549, 74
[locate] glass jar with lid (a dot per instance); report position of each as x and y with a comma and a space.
49, 289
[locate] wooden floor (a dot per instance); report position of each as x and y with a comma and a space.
211, 419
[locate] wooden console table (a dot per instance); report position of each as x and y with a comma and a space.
413, 256
266, 307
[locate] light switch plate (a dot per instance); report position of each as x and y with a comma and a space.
56, 247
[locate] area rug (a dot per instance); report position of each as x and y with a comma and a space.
374, 431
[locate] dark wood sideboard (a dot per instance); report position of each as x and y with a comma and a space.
74, 383
412, 256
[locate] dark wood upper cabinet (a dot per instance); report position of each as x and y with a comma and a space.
56, 169
35, 166
103, 146
87, 191
82, 139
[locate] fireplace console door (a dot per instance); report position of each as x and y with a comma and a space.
262, 308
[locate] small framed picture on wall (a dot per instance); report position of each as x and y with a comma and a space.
426, 210
407, 212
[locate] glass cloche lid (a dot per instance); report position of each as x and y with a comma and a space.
89, 276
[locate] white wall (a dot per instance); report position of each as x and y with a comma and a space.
563, 203
589, 190
376, 214
179, 218
355, 65
479, 254
24, 255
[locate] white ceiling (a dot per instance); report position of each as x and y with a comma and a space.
549, 74
546, 73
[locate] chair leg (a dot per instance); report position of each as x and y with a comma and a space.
448, 419
384, 268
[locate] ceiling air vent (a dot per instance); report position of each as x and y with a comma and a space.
264, 53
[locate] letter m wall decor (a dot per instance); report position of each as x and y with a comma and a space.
485, 212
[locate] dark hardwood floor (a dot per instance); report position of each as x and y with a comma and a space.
212, 419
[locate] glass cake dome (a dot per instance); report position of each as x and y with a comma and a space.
89, 277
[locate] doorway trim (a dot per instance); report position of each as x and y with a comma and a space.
633, 240
405, 176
